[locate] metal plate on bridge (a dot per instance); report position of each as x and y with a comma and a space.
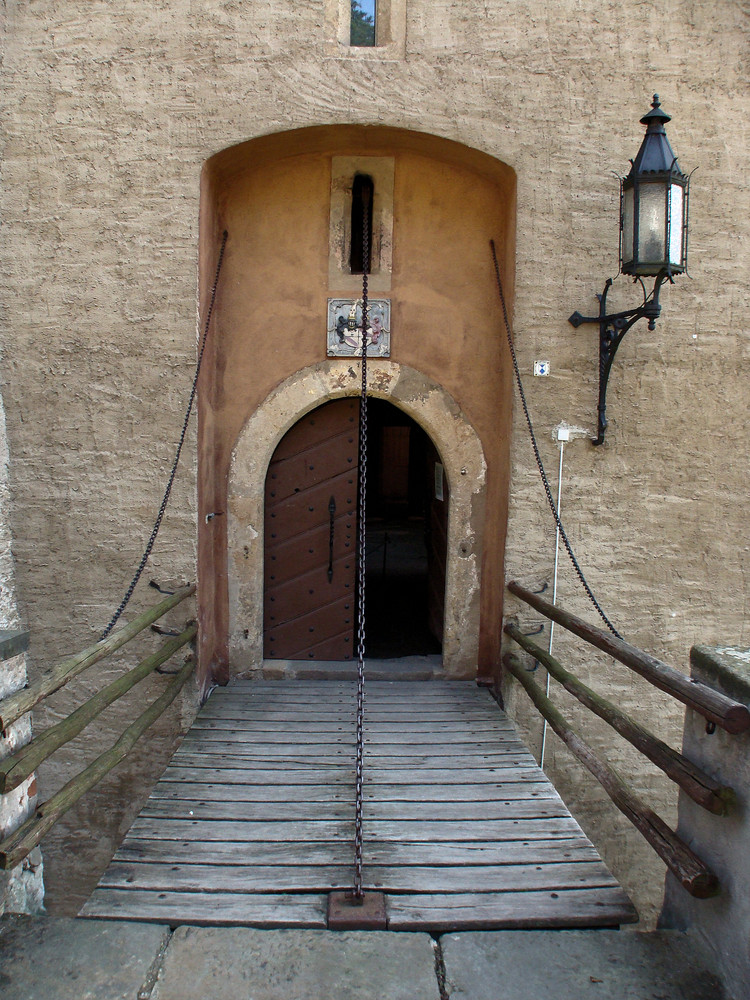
347, 913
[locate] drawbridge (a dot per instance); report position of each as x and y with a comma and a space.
252, 822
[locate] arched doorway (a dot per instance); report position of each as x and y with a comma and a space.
310, 522
464, 471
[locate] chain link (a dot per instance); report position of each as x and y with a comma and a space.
358, 891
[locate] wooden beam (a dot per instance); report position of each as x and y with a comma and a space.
712, 705
16, 769
687, 867
16, 846
18, 704
701, 787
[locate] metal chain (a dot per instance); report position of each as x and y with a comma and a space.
542, 473
165, 499
362, 476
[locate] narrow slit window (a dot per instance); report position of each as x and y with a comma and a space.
363, 30
363, 195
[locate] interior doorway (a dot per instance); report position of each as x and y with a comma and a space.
310, 564
406, 536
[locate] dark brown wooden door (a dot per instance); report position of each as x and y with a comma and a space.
437, 540
310, 537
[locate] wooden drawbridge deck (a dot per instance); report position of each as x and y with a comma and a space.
252, 821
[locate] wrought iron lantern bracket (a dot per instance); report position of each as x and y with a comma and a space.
612, 329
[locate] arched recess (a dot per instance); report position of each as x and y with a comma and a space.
429, 405
283, 199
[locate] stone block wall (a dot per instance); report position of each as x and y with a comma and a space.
21, 888
722, 924
110, 111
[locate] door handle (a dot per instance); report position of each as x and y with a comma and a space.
332, 516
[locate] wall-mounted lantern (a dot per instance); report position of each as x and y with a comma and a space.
653, 241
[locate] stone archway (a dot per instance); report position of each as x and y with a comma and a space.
435, 410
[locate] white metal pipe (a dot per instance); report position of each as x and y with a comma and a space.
554, 588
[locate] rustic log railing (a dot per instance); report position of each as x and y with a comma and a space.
16, 768
712, 705
701, 787
717, 709
24, 700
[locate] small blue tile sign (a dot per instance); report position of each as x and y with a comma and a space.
345, 328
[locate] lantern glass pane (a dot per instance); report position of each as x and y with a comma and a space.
652, 225
627, 226
676, 208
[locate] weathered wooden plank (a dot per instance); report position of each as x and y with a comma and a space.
214, 909
532, 851
384, 715
322, 878
416, 794
294, 770
196, 768
226, 775
303, 810
327, 692
404, 831
310, 732
373, 762
380, 755
344, 737
598, 907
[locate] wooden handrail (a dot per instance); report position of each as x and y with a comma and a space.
16, 769
701, 787
687, 867
17, 845
18, 704
712, 705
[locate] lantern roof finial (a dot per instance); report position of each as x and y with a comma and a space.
655, 155
656, 118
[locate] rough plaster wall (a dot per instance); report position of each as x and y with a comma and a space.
110, 111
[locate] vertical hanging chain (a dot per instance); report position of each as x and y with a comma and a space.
358, 891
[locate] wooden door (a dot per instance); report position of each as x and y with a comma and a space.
310, 537
437, 540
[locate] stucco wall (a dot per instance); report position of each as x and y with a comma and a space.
110, 112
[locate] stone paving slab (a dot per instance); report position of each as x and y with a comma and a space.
234, 963
56, 958
575, 965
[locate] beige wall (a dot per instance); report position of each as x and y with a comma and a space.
110, 112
